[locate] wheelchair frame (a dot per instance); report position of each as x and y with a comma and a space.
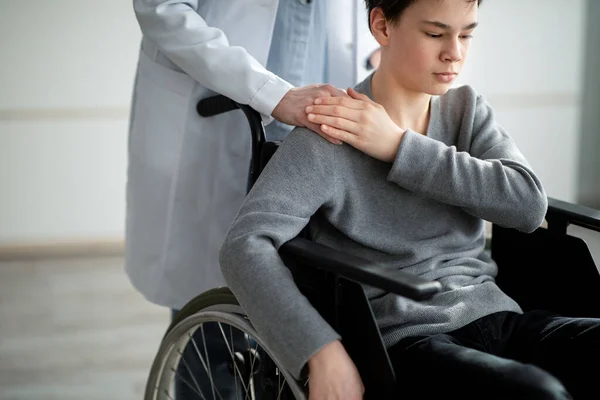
536, 269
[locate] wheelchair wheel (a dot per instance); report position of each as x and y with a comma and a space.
252, 372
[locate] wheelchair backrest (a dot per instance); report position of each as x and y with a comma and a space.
549, 268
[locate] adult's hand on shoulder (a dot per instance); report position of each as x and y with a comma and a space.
291, 108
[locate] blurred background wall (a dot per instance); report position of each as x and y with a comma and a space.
589, 143
65, 84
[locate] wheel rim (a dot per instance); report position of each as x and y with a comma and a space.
246, 365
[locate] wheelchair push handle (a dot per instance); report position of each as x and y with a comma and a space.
220, 104
215, 105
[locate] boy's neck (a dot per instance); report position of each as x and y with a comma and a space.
408, 109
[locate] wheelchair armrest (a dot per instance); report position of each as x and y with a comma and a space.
561, 213
360, 270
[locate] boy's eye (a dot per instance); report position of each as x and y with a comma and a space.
438, 35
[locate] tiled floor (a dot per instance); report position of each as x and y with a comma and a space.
74, 329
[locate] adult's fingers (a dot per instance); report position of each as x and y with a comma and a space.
333, 91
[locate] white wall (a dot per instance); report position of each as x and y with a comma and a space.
66, 75
65, 78
527, 59
589, 165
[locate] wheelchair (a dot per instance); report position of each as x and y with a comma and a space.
548, 269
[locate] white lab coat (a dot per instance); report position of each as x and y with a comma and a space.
187, 174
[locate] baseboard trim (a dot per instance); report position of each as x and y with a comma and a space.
84, 248
64, 249
63, 114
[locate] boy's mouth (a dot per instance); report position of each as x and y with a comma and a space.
446, 76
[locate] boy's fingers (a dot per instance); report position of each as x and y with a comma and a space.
339, 134
335, 111
337, 122
340, 101
359, 96
317, 129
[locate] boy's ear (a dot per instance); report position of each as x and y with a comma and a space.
379, 26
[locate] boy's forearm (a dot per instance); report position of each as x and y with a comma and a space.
499, 190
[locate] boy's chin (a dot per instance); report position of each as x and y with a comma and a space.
439, 89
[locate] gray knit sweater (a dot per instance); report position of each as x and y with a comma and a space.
422, 214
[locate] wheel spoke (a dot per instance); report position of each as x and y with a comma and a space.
235, 366
188, 384
253, 356
250, 387
206, 364
278, 384
191, 372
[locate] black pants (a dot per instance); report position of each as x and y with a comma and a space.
536, 355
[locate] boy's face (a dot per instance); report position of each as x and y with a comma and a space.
428, 44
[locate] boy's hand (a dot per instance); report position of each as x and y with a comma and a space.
333, 376
358, 121
290, 109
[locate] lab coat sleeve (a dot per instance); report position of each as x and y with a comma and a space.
204, 53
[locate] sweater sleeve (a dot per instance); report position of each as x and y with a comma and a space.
492, 180
296, 182
205, 54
